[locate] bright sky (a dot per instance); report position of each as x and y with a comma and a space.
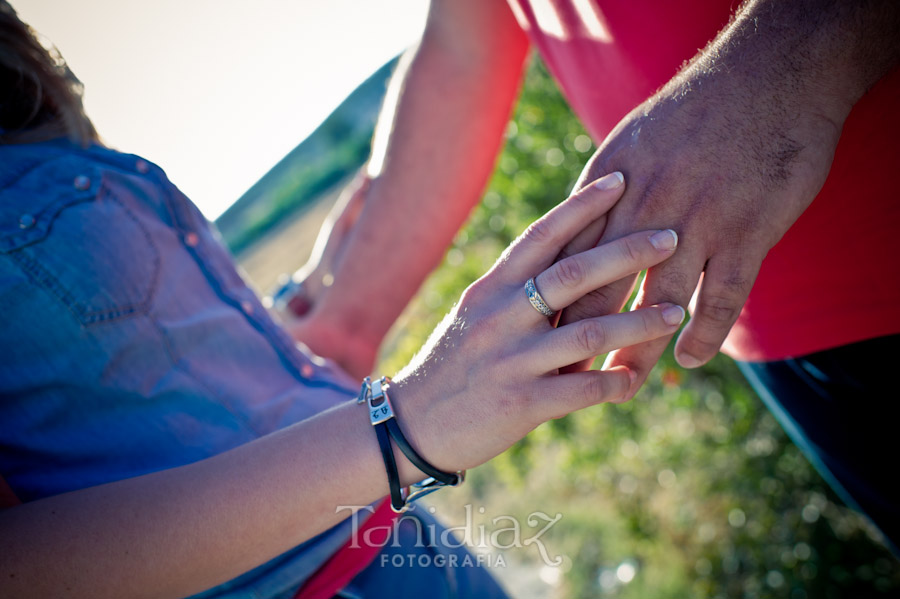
217, 91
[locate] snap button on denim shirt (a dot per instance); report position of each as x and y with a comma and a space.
130, 343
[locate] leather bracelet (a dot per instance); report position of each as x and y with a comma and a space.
381, 415
379, 412
390, 465
449, 479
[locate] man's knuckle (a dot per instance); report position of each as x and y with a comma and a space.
737, 284
702, 347
676, 281
654, 195
718, 309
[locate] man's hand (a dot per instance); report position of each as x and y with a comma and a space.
729, 154
302, 313
330, 246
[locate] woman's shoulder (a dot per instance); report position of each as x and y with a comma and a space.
75, 229
39, 181
50, 162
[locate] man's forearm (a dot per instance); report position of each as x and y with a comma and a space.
825, 52
434, 150
753, 120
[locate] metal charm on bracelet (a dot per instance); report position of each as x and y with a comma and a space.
374, 393
536, 300
381, 415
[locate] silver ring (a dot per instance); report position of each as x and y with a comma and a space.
536, 300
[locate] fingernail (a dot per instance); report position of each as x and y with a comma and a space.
610, 181
673, 315
688, 361
665, 240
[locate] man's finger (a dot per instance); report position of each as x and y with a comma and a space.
673, 281
722, 293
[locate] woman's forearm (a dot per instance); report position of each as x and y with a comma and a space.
488, 375
177, 532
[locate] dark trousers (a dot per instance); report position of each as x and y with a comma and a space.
842, 408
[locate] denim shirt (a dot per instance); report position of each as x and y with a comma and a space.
130, 343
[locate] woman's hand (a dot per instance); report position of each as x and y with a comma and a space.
489, 374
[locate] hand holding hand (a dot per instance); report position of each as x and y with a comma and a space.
728, 163
490, 372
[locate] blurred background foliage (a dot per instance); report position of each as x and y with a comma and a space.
690, 490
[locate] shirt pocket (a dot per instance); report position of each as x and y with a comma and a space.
72, 235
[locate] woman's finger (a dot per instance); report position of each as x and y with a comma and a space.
572, 278
594, 336
554, 397
540, 244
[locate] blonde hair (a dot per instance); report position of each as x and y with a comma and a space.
40, 98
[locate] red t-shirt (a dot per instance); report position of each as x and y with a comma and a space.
830, 281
